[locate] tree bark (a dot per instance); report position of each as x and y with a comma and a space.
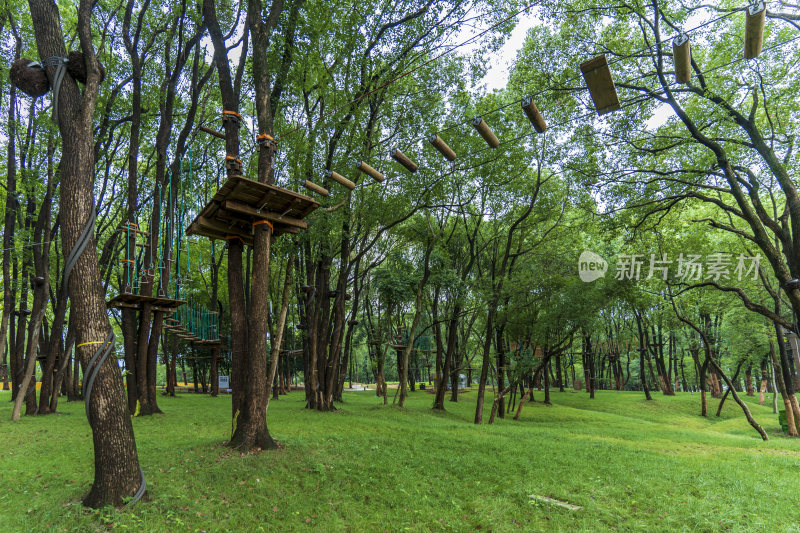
116, 472
278, 340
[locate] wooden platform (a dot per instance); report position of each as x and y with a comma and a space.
240, 202
135, 301
208, 342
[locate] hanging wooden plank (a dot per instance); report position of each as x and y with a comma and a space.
316, 188
404, 160
244, 209
212, 132
601, 86
532, 112
682, 58
369, 171
440, 145
755, 15
486, 132
335, 176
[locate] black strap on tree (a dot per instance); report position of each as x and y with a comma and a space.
61, 68
107, 346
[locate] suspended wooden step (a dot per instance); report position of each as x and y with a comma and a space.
404, 160
398, 346
486, 132
601, 86
532, 112
212, 132
440, 145
369, 171
755, 15
682, 58
335, 176
310, 185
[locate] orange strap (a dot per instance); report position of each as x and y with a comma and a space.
261, 138
231, 237
267, 222
126, 260
232, 158
231, 114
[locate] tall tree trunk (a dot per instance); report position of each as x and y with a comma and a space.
792, 422
412, 334
116, 472
30, 365
278, 340
9, 225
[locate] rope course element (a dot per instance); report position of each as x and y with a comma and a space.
410, 71
434, 139
556, 86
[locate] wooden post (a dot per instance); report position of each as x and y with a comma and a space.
440, 145
491, 139
601, 86
335, 176
316, 188
401, 158
532, 112
369, 171
682, 58
755, 16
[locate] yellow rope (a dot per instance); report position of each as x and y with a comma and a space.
93, 342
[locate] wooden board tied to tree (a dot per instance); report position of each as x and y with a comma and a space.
601, 85
240, 202
135, 301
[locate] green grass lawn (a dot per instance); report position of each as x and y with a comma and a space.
632, 465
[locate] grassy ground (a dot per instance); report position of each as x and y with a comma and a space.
631, 465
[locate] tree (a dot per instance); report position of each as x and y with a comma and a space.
117, 473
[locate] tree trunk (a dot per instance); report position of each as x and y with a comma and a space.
116, 472
278, 340
735, 377
748, 373
791, 421
739, 401
30, 365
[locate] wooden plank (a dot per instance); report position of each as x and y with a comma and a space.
335, 176
212, 132
280, 190
755, 16
486, 132
219, 227
682, 58
122, 305
533, 114
310, 185
244, 209
195, 229
601, 86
